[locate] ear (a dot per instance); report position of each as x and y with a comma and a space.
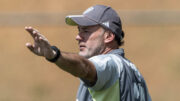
108, 37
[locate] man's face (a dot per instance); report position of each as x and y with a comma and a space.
91, 40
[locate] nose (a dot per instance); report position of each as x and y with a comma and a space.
79, 37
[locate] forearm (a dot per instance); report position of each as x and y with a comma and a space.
77, 66
72, 63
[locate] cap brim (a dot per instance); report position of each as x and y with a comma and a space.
81, 20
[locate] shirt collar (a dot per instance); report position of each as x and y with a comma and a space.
119, 51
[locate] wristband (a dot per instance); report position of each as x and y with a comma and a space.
58, 54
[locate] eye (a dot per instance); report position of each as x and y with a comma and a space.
86, 31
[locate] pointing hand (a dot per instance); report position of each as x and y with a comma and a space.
41, 46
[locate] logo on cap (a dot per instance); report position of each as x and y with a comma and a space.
106, 24
88, 10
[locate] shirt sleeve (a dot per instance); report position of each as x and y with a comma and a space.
108, 69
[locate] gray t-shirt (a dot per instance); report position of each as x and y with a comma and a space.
117, 78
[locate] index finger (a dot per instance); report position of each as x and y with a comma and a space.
34, 32
30, 30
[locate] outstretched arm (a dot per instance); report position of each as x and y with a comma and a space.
72, 63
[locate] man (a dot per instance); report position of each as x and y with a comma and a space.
105, 74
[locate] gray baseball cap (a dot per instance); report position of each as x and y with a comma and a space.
98, 15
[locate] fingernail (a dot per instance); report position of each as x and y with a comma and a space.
27, 44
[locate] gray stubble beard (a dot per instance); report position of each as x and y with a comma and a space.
98, 51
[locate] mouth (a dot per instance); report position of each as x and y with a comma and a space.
82, 47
